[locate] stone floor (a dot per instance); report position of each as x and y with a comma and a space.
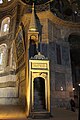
18, 113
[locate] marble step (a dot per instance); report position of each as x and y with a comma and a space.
40, 115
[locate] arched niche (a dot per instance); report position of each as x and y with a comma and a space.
3, 57
70, 32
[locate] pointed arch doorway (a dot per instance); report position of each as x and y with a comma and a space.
39, 103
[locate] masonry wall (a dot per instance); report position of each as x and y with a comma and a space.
61, 76
8, 81
21, 86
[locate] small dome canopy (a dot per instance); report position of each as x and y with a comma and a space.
39, 56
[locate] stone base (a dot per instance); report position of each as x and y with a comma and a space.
8, 90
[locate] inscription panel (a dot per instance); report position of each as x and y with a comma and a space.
39, 65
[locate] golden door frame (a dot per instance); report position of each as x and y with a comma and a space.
39, 68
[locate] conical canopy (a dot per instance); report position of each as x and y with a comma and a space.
33, 25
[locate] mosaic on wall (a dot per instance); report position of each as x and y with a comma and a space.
19, 44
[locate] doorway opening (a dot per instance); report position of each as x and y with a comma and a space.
74, 41
39, 103
32, 49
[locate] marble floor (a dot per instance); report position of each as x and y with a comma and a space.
12, 112
18, 113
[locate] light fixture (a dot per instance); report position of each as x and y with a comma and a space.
73, 88
75, 12
79, 84
61, 88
